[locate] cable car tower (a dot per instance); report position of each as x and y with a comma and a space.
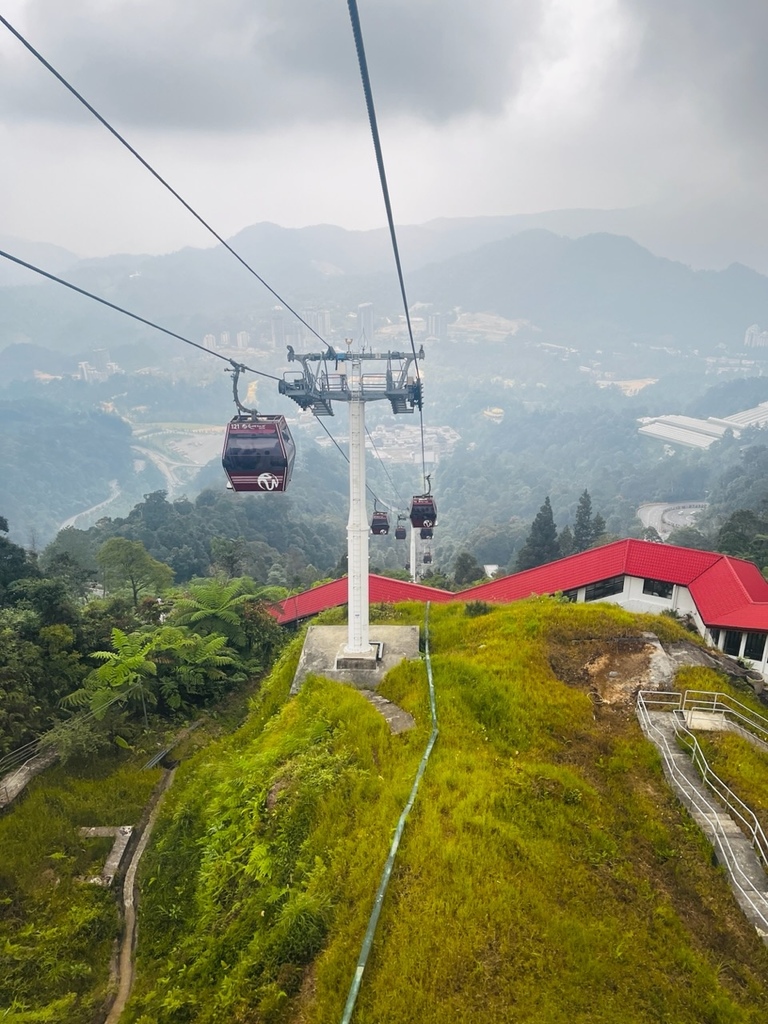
328, 377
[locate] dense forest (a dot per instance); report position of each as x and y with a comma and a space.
82, 668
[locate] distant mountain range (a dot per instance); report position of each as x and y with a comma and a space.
597, 287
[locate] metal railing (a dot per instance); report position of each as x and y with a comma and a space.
672, 702
735, 805
717, 703
734, 711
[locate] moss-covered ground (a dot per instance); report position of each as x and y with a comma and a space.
546, 873
57, 933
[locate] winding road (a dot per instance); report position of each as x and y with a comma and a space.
664, 517
114, 492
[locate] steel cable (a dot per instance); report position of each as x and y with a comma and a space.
358, 34
102, 120
127, 312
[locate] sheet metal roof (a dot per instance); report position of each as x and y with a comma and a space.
728, 592
381, 589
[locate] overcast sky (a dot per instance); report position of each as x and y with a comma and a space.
253, 110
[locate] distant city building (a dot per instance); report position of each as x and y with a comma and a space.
697, 433
437, 326
278, 327
224, 339
323, 322
209, 342
755, 338
294, 331
319, 320
243, 339
365, 323
91, 375
99, 359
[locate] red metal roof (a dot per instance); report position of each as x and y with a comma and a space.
728, 592
734, 594
381, 589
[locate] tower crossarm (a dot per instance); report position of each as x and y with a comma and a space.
323, 380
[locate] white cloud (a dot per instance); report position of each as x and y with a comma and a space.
253, 109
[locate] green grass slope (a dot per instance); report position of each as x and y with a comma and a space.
546, 873
57, 933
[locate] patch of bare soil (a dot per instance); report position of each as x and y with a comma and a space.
612, 671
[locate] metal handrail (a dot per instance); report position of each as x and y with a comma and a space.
735, 804
679, 704
706, 810
733, 710
668, 700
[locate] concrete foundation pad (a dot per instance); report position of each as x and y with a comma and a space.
121, 834
323, 655
706, 721
366, 661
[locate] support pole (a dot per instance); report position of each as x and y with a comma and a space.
357, 525
414, 554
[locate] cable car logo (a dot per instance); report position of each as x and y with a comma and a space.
427, 522
268, 482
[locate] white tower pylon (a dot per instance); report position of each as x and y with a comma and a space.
318, 390
357, 525
414, 557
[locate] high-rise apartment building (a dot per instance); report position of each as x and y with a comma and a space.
365, 324
278, 327
437, 326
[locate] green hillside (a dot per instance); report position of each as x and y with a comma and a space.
546, 873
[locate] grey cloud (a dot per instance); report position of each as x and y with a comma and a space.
232, 64
709, 57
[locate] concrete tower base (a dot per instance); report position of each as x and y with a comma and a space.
325, 654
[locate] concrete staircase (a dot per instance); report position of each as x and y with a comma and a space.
733, 849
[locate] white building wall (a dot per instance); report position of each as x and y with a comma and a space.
634, 600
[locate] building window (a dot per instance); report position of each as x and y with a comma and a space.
571, 595
755, 646
604, 588
715, 634
732, 643
657, 588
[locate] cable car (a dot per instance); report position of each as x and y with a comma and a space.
400, 528
379, 523
423, 511
427, 557
426, 533
258, 453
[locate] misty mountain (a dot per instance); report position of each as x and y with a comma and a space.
600, 287
50, 257
592, 289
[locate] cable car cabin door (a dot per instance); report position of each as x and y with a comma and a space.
258, 454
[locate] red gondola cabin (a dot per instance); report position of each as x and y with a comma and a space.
423, 511
258, 453
400, 528
379, 523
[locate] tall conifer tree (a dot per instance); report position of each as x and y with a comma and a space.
542, 545
582, 527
